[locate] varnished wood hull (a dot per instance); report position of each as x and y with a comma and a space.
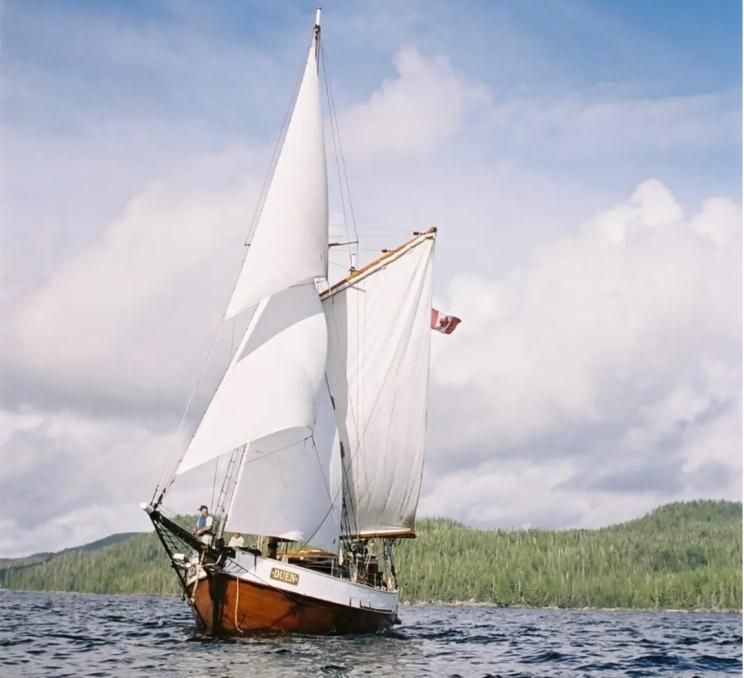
226, 606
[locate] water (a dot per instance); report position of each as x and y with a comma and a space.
59, 634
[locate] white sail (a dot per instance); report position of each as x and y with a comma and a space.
290, 242
378, 365
290, 488
274, 379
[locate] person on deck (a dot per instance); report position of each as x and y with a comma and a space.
236, 541
203, 528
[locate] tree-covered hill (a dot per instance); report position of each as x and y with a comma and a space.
685, 555
47, 555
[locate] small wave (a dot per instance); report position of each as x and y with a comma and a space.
714, 663
142, 637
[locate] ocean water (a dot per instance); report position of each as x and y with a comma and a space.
62, 634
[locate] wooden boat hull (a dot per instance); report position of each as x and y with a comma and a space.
227, 606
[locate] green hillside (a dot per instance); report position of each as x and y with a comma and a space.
682, 555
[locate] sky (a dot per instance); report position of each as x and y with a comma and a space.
581, 159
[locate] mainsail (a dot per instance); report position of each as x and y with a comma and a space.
378, 366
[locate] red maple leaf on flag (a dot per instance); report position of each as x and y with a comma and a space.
445, 324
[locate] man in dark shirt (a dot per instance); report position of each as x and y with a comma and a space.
203, 528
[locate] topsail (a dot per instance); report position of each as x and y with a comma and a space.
290, 241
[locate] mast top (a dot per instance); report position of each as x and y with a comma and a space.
317, 18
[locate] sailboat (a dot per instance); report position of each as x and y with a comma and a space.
319, 419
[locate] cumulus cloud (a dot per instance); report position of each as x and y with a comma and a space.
152, 285
413, 113
69, 478
611, 360
588, 383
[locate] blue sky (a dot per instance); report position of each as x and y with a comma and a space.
583, 163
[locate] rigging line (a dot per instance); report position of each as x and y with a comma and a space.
274, 158
214, 483
349, 515
331, 112
258, 309
237, 599
264, 455
254, 221
320, 466
232, 335
350, 409
332, 504
325, 517
190, 401
336, 133
317, 529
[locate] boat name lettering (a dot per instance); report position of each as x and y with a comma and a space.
286, 577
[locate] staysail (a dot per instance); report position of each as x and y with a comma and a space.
290, 242
378, 366
289, 488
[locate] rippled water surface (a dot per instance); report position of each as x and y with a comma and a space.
58, 634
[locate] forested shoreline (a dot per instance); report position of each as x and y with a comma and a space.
681, 556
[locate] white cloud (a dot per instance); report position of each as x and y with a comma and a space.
589, 122
618, 357
150, 286
411, 114
69, 477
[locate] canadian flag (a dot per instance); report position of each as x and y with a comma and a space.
443, 323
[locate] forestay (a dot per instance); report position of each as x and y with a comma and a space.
378, 366
290, 242
273, 381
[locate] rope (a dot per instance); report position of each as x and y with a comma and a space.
196, 582
341, 170
237, 599
214, 483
